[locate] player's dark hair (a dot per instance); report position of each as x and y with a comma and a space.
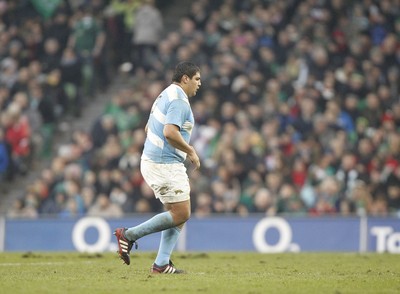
184, 68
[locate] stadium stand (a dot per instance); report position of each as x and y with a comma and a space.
299, 112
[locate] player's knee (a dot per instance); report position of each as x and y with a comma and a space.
186, 215
182, 216
180, 212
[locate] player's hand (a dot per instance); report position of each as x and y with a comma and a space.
194, 158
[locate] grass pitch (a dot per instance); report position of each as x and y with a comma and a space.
206, 273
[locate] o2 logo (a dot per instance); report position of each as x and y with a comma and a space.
103, 242
386, 239
284, 242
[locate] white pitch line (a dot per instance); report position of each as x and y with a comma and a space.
38, 263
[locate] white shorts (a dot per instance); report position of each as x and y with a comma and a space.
169, 182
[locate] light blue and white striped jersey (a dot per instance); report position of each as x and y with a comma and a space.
171, 107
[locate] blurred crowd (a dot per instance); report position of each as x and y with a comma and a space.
51, 67
298, 114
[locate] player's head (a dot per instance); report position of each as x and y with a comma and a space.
187, 74
184, 68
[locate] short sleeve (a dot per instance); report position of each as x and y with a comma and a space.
177, 112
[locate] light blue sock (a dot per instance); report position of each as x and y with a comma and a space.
169, 238
157, 223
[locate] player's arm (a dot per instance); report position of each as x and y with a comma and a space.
175, 139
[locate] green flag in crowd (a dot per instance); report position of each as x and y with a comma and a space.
46, 7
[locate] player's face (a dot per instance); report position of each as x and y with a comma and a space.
194, 84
